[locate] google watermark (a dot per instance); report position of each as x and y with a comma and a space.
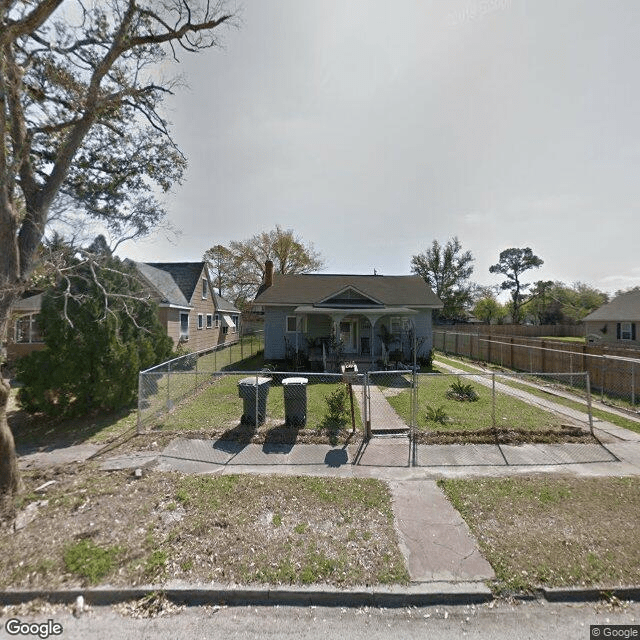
476, 10
598, 631
15, 627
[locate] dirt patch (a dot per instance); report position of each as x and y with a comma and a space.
560, 531
91, 527
567, 433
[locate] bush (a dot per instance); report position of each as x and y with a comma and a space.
93, 353
462, 392
337, 406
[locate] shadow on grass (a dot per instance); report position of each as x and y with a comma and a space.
37, 431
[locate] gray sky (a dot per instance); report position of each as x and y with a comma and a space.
372, 128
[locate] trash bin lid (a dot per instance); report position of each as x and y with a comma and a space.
251, 381
295, 381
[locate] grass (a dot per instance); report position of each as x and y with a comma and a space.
510, 413
219, 408
228, 529
87, 560
601, 414
555, 532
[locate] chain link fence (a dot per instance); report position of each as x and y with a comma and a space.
161, 387
614, 378
233, 401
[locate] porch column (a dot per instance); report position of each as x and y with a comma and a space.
373, 318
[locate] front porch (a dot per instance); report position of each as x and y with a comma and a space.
372, 338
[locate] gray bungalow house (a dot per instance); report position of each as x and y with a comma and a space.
359, 318
617, 321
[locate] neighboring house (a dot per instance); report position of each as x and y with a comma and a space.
369, 318
191, 311
618, 320
24, 333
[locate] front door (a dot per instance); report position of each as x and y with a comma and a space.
348, 335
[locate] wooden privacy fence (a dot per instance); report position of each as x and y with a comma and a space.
614, 373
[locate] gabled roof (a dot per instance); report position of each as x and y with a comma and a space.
185, 274
176, 283
223, 305
623, 308
29, 303
162, 281
314, 288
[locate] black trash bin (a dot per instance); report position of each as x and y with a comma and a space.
295, 401
254, 392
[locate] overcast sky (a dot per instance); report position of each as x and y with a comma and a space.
372, 128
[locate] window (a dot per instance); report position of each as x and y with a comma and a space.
225, 329
27, 330
205, 288
200, 321
217, 320
396, 325
184, 325
626, 331
292, 325
235, 323
209, 321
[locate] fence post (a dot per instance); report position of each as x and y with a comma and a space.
215, 358
138, 430
197, 359
493, 399
604, 373
168, 385
633, 385
241, 349
257, 404
589, 402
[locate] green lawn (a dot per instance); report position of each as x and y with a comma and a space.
220, 406
510, 412
601, 414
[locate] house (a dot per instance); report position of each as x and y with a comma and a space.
190, 309
24, 333
364, 318
617, 321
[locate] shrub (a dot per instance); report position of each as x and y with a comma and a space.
462, 392
437, 414
337, 405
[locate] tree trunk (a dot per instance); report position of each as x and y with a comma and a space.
10, 482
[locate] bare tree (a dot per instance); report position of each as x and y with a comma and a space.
244, 261
80, 98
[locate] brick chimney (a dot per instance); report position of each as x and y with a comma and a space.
268, 277
268, 274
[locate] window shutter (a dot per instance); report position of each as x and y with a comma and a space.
633, 330
618, 331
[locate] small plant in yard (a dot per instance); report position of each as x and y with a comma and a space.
87, 560
462, 392
437, 414
337, 405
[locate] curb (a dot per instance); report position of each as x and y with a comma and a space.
436, 593
590, 594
